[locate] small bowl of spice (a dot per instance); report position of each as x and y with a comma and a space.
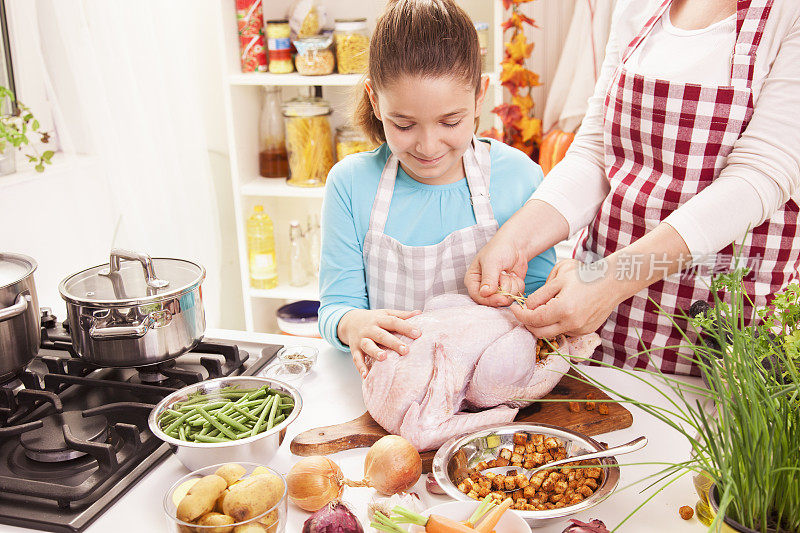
304, 355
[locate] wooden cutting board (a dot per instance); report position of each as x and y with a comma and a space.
364, 431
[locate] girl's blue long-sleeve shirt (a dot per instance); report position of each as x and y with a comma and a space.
419, 215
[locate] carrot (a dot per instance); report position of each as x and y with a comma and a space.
442, 524
493, 517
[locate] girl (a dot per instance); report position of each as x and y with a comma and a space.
402, 223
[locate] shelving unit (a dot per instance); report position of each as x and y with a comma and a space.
284, 202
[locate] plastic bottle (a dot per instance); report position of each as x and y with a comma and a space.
298, 256
313, 238
261, 250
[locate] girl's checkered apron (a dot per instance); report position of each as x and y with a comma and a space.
665, 142
405, 277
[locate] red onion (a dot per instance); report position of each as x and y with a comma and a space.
433, 486
595, 526
333, 518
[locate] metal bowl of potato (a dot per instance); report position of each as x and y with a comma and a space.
237, 445
458, 464
242, 497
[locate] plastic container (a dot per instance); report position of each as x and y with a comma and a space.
350, 140
309, 142
299, 318
273, 161
279, 45
352, 45
483, 42
314, 55
261, 250
273, 520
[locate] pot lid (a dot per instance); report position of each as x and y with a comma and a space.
134, 279
14, 267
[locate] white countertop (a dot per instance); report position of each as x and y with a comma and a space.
332, 394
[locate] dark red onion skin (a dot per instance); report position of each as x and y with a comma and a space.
595, 526
333, 518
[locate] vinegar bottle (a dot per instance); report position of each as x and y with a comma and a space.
261, 250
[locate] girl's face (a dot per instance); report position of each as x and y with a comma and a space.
428, 123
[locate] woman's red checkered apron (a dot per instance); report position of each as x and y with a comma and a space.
664, 143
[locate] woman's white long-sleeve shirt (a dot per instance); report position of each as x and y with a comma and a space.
763, 169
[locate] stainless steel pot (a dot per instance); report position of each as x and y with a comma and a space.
135, 313
19, 314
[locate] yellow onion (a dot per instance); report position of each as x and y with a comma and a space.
392, 465
314, 482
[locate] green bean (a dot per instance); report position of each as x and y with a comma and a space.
279, 419
224, 430
272, 411
245, 413
233, 423
182, 433
257, 427
176, 423
205, 430
208, 438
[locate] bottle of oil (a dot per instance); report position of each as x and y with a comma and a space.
261, 250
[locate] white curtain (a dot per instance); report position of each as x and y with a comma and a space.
124, 79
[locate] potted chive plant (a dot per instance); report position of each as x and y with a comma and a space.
746, 447
15, 129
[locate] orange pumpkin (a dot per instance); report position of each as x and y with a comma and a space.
554, 146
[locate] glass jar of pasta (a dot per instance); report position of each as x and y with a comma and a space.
308, 141
350, 140
314, 55
352, 45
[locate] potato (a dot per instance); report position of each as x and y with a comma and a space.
222, 523
218, 504
260, 471
252, 496
252, 527
231, 472
201, 498
270, 520
182, 490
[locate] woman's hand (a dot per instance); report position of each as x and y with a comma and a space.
369, 333
534, 228
575, 300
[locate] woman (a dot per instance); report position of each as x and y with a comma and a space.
690, 140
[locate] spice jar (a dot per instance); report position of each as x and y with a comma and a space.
308, 141
352, 45
350, 140
314, 55
483, 43
279, 46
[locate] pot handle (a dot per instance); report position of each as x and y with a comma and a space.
19, 307
121, 332
147, 265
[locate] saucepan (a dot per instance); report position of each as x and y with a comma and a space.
135, 310
19, 314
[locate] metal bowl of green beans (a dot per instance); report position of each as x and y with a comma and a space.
233, 419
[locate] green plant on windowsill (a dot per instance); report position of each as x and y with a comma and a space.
748, 443
16, 128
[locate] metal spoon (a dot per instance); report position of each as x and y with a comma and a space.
632, 446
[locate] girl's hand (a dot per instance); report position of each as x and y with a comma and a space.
369, 333
576, 299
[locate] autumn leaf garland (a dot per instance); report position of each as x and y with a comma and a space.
520, 129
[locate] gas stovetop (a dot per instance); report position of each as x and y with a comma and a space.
74, 437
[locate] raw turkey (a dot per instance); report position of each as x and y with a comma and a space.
469, 368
